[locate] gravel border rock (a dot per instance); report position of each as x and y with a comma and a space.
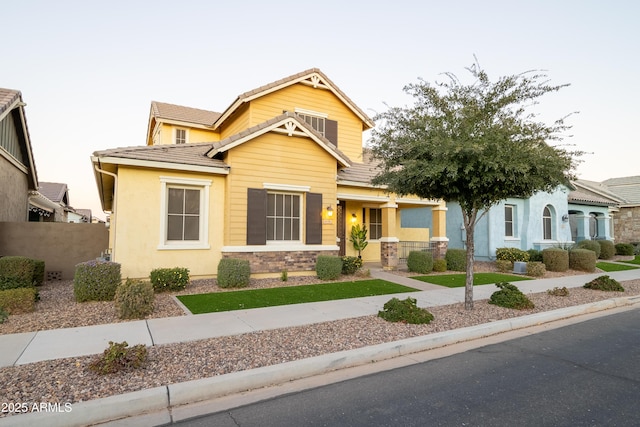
70, 380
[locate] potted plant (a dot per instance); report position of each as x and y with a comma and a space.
359, 238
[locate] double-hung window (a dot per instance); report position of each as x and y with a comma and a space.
375, 223
283, 217
508, 221
180, 136
184, 213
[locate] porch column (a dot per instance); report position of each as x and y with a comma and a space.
439, 238
603, 227
582, 227
389, 241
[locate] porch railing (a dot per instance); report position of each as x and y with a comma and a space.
404, 247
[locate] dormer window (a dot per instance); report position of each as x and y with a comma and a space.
321, 123
180, 136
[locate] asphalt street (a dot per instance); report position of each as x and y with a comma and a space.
586, 374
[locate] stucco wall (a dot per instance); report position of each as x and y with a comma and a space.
13, 192
60, 245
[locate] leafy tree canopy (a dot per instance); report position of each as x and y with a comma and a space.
476, 143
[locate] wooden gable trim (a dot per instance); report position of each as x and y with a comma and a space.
289, 125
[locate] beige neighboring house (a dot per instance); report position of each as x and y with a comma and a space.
18, 175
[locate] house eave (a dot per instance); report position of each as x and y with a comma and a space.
160, 165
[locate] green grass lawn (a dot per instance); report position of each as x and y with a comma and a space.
255, 298
609, 266
458, 280
636, 260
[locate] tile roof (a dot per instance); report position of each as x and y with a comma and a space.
184, 154
53, 191
166, 111
627, 188
361, 173
580, 197
7, 98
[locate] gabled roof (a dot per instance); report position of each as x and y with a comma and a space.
312, 77
597, 190
287, 123
55, 192
11, 102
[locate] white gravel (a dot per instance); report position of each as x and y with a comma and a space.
69, 380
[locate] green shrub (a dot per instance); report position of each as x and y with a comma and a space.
607, 249
592, 245
559, 292
582, 260
406, 311
3, 315
328, 267
504, 266
456, 259
134, 299
96, 280
440, 265
512, 254
351, 264
536, 269
604, 283
284, 275
38, 272
118, 357
624, 249
18, 300
234, 273
555, 259
636, 248
13, 283
420, 262
169, 279
535, 255
509, 296
18, 268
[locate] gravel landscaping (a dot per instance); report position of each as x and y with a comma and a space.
70, 380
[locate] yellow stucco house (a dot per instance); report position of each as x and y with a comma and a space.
277, 178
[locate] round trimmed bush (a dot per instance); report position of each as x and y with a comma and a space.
351, 264
134, 299
512, 254
607, 249
582, 259
440, 265
536, 269
555, 259
96, 280
535, 255
328, 267
592, 245
420, 262
456, 259
504, 266
624, 249
233, 273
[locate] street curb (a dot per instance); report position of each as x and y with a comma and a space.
166, 397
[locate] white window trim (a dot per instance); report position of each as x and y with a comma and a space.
204, 186
514, 234
186, 134
311, 113
301, 226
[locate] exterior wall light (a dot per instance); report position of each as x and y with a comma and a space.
329, 211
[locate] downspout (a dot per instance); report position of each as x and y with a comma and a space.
113, 207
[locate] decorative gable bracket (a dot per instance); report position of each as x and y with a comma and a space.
290, 128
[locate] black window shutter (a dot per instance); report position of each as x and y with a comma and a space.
314, 219
256, 216
331, 131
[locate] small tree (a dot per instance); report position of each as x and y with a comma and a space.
476, 144
359, 238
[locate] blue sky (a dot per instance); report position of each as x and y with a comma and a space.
88, 71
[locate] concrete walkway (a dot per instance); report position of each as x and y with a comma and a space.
174, 402
30, 347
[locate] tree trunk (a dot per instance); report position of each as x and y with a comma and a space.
469, 226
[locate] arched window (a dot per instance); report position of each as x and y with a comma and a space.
546, 223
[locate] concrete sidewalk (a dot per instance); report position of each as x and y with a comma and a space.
173, 402
30, 347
